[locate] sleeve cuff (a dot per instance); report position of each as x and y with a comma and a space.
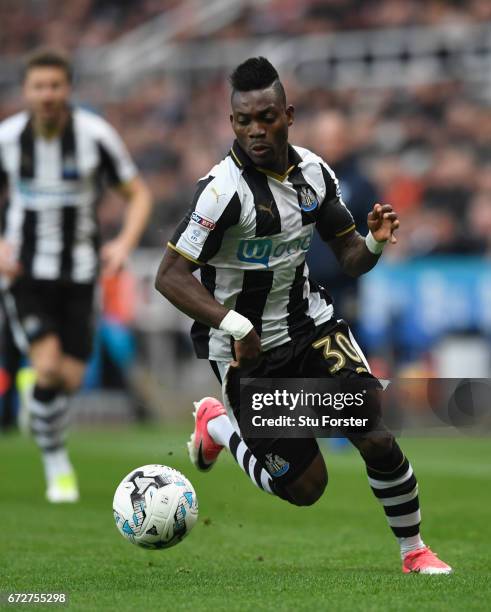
185, 255
345, 231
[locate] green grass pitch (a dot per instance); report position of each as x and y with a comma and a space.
248, 551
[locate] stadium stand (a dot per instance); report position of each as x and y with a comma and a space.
411, 76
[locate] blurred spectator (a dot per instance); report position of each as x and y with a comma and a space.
479, 220
332, 139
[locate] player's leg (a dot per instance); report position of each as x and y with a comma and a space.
291, 469
71, 307
72, 373
74, 311
390, 475
31, 308
309, 486
59, 362
49, 418
57, 377
306, 480
212, 433
394, 484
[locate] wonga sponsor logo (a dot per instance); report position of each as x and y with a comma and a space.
260, 250
255, 251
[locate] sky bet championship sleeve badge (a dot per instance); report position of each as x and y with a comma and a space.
199, 228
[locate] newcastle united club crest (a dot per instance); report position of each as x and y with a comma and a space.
307, 198
276, 465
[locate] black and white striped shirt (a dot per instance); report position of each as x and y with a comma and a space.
53, 188
249, 230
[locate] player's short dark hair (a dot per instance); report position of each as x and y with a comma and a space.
47, 57
256, 73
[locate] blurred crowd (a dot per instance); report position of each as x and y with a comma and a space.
425, 149
71, 25
79, 24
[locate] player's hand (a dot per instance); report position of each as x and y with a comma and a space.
114, 256
9, 267
247, 350
382, 222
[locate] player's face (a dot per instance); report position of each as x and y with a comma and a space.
46, 91
260, 121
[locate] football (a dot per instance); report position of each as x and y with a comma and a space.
155, 506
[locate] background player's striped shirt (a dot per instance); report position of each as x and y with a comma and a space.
249, 231
53, 189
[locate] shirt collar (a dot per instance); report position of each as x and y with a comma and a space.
242, 160
66, 128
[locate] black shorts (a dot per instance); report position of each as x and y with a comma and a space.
36, 308
330, 351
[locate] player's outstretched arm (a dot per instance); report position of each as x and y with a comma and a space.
358, 255
175, 281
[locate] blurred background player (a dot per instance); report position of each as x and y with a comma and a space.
55, 159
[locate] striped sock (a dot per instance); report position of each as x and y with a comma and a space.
395, 486
223, 432
49, 420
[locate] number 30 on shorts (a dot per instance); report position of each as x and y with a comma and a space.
339, 348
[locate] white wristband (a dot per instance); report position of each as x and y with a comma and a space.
374, 246
236, 325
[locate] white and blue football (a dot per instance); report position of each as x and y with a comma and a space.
155, 506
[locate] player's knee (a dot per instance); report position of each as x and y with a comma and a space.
306, 491
70, 385
376, 445
48, 374
72, 370
46, 359
72, 379
309, 494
